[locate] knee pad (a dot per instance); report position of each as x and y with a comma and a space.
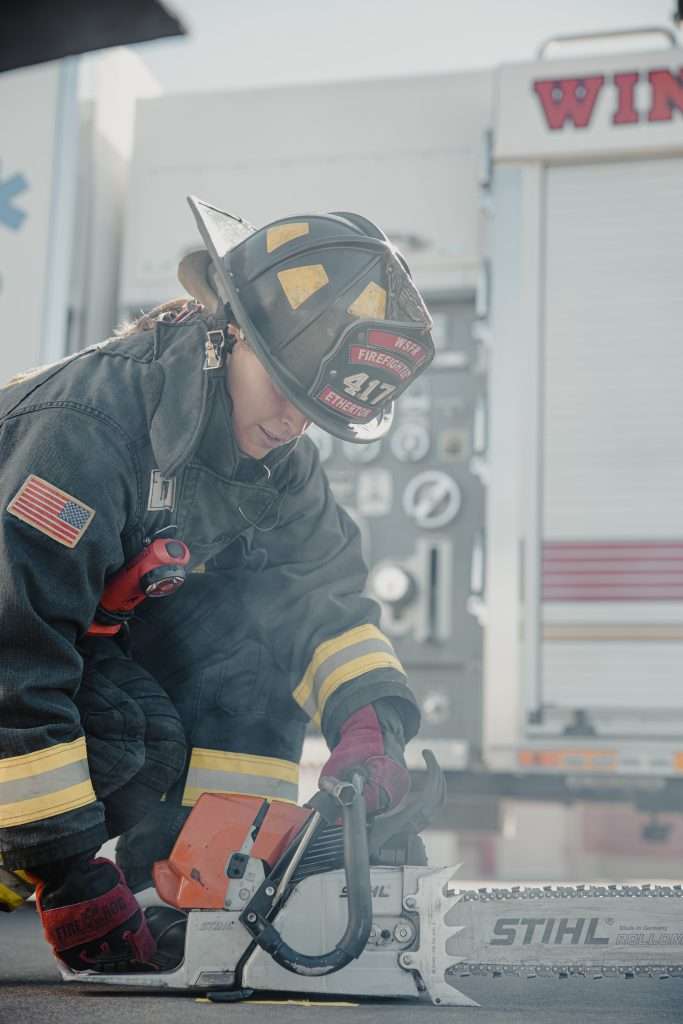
165, 742
114, 727
134, 735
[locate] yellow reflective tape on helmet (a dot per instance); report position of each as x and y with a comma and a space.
37, 808
220, 771
299, 283
283, 233
371, 304
341, 659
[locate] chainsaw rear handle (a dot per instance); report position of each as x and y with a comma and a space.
357, 870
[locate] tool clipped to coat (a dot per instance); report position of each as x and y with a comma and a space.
157, 571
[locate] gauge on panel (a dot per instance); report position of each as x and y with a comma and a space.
410, 441
432, 499
391, 584
436, 707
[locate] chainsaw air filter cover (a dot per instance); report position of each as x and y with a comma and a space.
208, 850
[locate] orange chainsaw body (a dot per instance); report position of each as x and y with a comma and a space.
195, 875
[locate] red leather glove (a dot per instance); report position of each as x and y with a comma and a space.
362, 747
91, 918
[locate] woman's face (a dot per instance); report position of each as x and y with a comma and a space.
262, 417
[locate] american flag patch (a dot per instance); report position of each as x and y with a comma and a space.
53, 512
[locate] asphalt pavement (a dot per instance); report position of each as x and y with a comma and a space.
31, 991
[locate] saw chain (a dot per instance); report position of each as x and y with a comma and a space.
523, 892
522, 898
588, 971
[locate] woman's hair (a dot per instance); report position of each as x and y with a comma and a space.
146, 321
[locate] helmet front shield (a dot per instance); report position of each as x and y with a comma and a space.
371, 364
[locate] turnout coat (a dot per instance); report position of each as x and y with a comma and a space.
100, 452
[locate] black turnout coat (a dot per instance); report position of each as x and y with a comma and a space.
99, 453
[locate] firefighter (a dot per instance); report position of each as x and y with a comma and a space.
190, 424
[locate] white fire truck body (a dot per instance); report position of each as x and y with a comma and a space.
582, 318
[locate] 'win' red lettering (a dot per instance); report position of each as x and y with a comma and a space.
667, 94
626, 112
569, 99
572, 100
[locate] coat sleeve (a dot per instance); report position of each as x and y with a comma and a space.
308, 597
59, 465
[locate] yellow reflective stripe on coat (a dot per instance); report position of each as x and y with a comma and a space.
221, 771
45, 783
338, 661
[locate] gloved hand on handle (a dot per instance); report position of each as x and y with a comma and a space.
91, 918
371, 742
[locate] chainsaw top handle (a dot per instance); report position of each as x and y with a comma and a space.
349, 799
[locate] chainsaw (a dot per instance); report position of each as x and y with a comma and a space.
259, 894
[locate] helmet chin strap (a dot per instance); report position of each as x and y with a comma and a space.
236, 332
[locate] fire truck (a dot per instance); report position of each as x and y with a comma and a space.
581, 600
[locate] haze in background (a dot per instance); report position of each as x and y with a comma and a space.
237, 44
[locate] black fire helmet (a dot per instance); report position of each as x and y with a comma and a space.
329, 307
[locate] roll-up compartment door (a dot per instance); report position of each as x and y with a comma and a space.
612, 446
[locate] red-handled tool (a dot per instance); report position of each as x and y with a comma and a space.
158, 570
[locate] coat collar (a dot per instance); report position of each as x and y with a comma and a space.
178, 420
195, 400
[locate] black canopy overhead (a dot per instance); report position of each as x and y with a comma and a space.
34, 31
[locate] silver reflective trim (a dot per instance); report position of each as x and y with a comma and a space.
45, 783
203, 781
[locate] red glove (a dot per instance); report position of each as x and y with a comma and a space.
361, 747
91, 918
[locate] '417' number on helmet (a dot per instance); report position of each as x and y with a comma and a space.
359, 386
